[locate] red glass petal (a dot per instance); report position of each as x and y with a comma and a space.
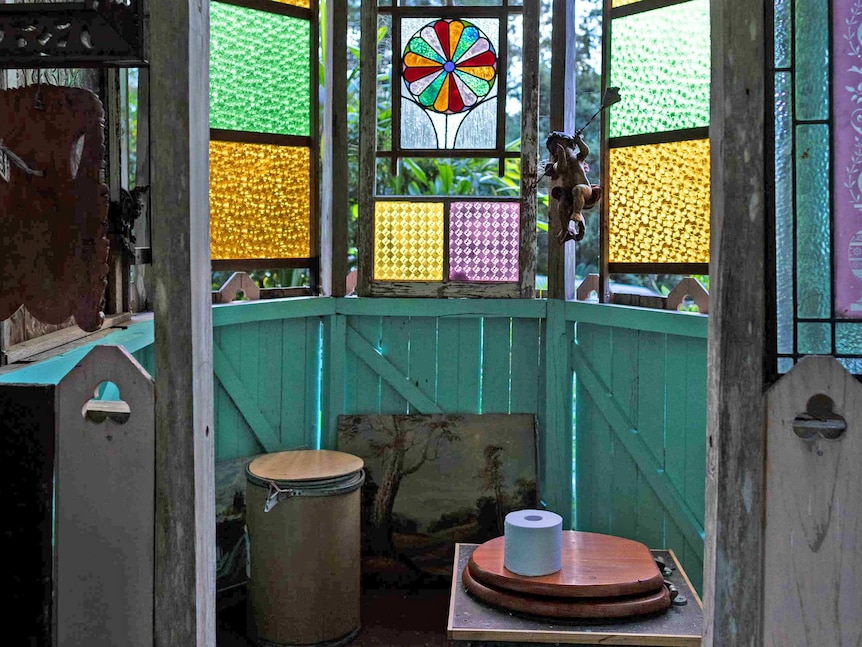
413, 73
442, 29
456, 103
485, 58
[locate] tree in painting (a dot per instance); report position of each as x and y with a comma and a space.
493, 481
410, 441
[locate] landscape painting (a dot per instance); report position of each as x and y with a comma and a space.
434, 480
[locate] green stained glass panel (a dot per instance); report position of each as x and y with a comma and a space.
813, 238
815, 338
660, 61
812, 59
784, 210
260, 66
848, 339
782, 33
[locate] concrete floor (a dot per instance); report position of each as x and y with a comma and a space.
391, 617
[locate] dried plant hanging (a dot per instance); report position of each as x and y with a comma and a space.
53, 204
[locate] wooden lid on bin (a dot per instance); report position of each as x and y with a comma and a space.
305, 465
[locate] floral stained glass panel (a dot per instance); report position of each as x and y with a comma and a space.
260, 66
659, 211
260, 201
408, 241
661, 60
484, 241
450, 85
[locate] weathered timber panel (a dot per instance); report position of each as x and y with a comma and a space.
641, 421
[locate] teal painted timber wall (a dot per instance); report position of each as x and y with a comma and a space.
285, 369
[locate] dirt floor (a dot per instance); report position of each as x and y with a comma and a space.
390, 616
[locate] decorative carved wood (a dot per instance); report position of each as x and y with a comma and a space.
53, 217
49, 35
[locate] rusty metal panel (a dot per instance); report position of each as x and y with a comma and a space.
53, 249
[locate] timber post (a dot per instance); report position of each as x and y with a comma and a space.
736, 409
184, 611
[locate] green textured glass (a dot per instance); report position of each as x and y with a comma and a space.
811, 43
660, 61
815, 338
848, 338
782, 33
260, 67
813, 240
784, 210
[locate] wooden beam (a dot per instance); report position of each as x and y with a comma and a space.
529, 148
335, 205
733, 578
391, 375
233, 386
367, 145
561, 258
185, 456
555, 414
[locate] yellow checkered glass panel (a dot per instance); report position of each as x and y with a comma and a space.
408, 241
658, 203
260, 201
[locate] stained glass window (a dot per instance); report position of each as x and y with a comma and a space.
260, 201
658, 191
817, 175
431, 221
408, 241
660, 60
260, 66
449, 71
484, 239
263, 158
661, 209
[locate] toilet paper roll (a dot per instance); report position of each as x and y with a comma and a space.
533, 542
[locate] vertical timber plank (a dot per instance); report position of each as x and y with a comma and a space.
394, 344
308, 435
529, 148
470, 365
334, 204
448, 364
367, 144
561, 258
293, 365
695, 416
813, 528
555, 442
651, 412
334, 378
185, 507
733, 584
364, 383
270, 374
526, 357
423, 354
496, 364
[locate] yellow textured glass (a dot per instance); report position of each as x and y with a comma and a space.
296, 3
622, 3
658, 202
260, 201
408, 241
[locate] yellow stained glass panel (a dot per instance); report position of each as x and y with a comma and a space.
408, 241
296, 3
260, 201
658, 202
622, 3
